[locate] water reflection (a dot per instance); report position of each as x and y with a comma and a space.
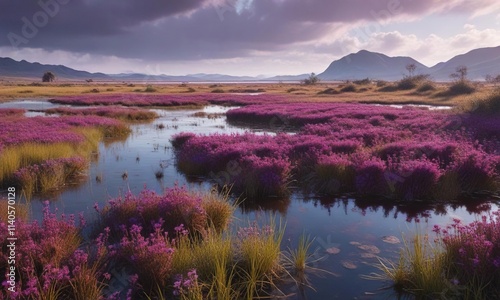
345, 229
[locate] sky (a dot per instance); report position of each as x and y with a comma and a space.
239, 37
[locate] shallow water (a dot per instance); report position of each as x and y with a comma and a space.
335, 224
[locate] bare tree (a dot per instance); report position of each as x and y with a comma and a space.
48, 77
312, 79
492, 79
411, 69
460, 73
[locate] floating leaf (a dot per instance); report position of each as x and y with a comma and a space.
368, 255
333, 250
370, 248
390, 239
348, 265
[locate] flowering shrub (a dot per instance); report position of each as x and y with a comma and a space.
49, 264
150, 257
50, 174
168, 100
413, 153
175, 207
474, 251
10, 112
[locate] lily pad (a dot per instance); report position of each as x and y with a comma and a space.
355, 243
370, 249
348, 265
368, 255
390, 239
333, 250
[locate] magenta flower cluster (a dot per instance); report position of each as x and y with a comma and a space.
175, 207
474, 248
183, 284
10, 112
19, 130
61, 168
374, 150
53, 255
47, 256
168, 99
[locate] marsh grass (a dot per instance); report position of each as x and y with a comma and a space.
420, 271
488, 104
40, 167
260, 257
218, 208
14, 157
300, 257
86, 284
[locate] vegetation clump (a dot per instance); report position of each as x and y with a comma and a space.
311, 80
173, 246
463, 262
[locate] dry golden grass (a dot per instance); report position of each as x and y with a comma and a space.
369, 93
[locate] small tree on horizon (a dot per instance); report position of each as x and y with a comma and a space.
48, 77
460, 73
411, 69
312, 79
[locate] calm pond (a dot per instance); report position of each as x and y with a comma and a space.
348, 233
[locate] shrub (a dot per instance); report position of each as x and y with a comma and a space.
489, 105
365, 81
334, 174
329, 91
263, 177
311, 80
474, 254
416, 179
370, 178
176, 206
150, 257
425, 87
349, 88
150, 89
460, 88
218, 91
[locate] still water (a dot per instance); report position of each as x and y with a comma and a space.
348, 233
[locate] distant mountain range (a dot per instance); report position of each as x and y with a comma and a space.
363, 64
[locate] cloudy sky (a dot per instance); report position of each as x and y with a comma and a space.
239, 37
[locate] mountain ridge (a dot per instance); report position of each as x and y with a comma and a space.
362, 64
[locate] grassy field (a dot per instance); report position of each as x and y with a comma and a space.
372, 92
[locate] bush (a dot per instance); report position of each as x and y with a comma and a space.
425, 87
350, 88
329, 91
218, 91
489, 105
311, 80
460, 88
411, 82
365, 81
150, 89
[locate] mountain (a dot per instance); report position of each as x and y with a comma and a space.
289, 77
374, 65
360, 65
479, 63
12, 68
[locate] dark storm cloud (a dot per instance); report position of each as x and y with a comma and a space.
195, 29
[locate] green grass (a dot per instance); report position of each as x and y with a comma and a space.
218, 208
420, 271
300, 256
261, 259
